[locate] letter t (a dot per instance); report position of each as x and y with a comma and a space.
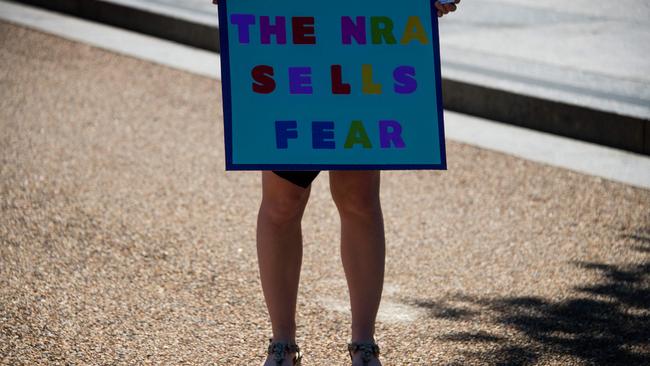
243, 22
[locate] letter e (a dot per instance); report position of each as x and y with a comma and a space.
322, 135
303, 30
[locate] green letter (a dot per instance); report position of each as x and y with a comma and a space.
357, 135
382, 27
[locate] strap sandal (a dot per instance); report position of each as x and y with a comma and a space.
369, 350
279, 350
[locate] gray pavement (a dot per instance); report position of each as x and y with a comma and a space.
578, 57
587, 52
596, 160
123, 241
582, 65
608, 38
584, 52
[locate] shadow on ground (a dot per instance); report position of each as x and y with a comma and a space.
603, 323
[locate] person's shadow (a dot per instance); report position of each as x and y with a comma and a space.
607, 323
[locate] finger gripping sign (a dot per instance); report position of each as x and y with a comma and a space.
324, 85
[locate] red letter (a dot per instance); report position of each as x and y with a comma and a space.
338, 86
264, 82
303, 30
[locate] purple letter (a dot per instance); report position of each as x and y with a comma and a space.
394, 135
279, 30
300, 80
243, 21
405, 82
350, 30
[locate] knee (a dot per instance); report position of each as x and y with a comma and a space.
284, 209
358, 202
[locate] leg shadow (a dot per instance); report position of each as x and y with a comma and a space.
606, 323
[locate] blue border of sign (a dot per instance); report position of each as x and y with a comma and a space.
227, 109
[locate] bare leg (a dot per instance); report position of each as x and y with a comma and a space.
279, 252
356, 194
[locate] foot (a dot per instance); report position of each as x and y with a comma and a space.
364, 354
358, 361
282, 354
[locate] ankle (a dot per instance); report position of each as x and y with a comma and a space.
363, 339
281, 352
283, 339
363, 351
362, 330
363, 336
284, 334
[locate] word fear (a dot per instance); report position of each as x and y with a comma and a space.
322, 135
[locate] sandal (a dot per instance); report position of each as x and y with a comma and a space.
369, 349
279, 350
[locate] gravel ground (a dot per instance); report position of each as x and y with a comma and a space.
124, 241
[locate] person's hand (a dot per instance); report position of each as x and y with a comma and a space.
445, 8
442, 8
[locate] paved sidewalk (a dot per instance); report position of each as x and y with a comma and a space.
582, 65
123, 241
597, 49
565, 60
584, 51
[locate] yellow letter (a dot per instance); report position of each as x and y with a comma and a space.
368, 86
414, 30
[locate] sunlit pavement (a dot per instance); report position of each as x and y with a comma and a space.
123, 240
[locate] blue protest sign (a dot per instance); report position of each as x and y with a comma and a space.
331, 85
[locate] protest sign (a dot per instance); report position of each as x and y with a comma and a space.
331, 85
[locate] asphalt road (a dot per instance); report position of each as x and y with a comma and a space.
124, 241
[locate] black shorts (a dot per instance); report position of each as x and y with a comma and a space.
299, 178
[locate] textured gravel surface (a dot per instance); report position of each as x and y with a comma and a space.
123, 241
